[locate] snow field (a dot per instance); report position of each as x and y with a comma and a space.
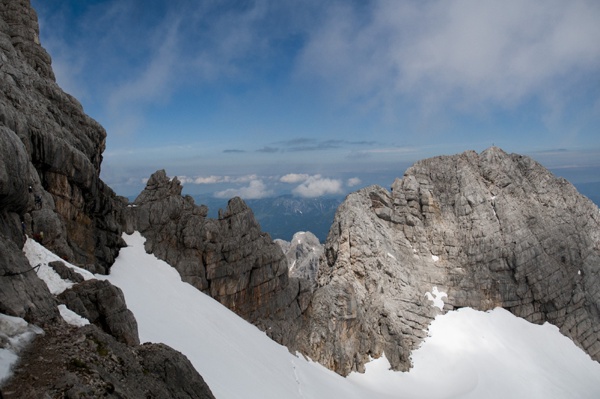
468, 354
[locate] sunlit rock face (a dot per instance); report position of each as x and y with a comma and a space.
303, 253
487, 230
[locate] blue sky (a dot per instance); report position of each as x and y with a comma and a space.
259, 98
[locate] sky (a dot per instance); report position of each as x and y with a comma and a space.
262, 97
467, 354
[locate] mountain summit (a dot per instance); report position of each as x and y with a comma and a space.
487, 230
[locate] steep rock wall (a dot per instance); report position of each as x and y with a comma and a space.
228, 258
50, 155
51, 152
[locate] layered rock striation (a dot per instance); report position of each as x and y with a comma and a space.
50, 153
50, 189
229, 258
490, 229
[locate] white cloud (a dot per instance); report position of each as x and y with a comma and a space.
243, 179
353, 181
294, 178
213, 179
255, 190
316, 186
153, 85
202, 179
208, 180
434, 52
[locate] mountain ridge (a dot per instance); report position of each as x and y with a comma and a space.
488, 229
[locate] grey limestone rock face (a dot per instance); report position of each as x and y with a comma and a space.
103, 304
86, 362
229, 258
303, 253
51, 151
50, 156
65, 272
488, 229
22, 293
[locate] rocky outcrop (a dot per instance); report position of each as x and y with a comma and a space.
85, 362
488, 229
228, 258
22, 293
50, 153
103, 304
65, 272
303, 254
50, 189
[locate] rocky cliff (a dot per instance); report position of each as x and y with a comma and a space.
50, 156
479, 230
488, 230
229, 258
51, 153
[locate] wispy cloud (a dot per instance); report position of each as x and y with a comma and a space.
317, 186
456, 53
256, 189
366, 153
353, 182
217, 179
304, 144
294, 178
153, 85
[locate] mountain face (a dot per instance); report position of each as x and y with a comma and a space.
284, 216
228, 258
50, 156
477, 230
51, 152
303, 254
488, 230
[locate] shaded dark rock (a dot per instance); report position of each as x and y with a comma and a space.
22, 293
229, 258
86, 362
51, 151
162, 363
13, 163
65, 272
103, 304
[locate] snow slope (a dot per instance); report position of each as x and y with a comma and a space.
15, 334
468, 354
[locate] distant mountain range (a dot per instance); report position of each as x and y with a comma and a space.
285, 215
